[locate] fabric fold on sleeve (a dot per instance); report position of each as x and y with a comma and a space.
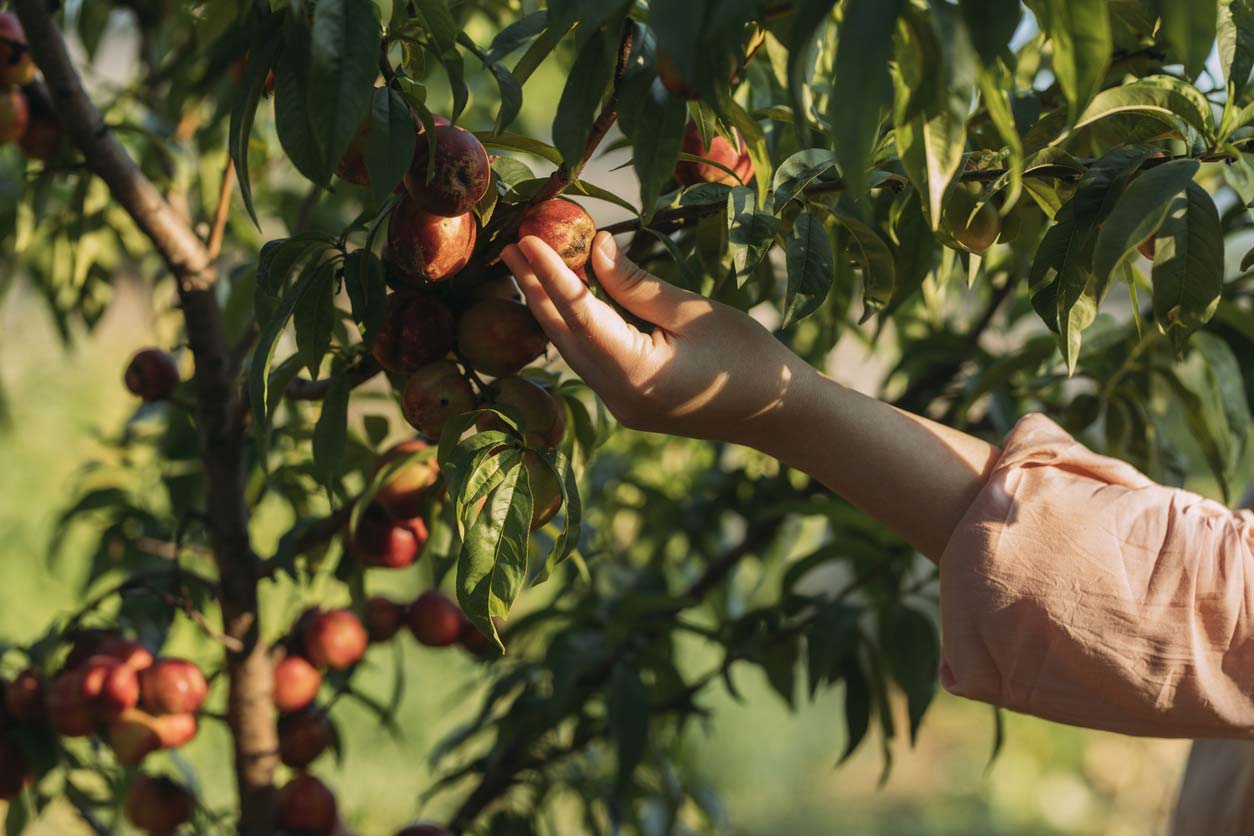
1080, 591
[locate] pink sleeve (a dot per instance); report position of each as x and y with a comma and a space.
1076, 589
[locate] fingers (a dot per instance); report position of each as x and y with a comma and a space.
639, 291
587, 348
586, 316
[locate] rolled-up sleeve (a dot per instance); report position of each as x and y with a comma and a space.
1078, 590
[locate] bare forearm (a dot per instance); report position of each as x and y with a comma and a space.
915, 476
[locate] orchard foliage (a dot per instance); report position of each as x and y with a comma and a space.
1010, 208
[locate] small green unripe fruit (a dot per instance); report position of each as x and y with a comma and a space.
976, 229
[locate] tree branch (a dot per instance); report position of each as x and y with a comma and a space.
250, 709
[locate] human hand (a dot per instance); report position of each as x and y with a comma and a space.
706, 370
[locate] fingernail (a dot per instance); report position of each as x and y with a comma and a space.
607, 246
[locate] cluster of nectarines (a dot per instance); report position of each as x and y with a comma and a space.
26, 115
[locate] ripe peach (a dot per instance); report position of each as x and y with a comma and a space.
15, 771
720, 151
158, 805
335, 639
435, 620
499, 337
564, 226
24, 698
173, 686
175, 730
383, 541
296, 683
16, 65
416, 329
425, 830
108, 686
383, 618
13, 115
402, 494
306, 807
424, 246
133, 736
542, 417
43, 136
304, 736
127, 651
152, 374
435, 393
70, 715
461, 175
476, 643
546, 490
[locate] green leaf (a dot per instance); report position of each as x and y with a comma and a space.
808, 20
315, 317
516, 35
262, 57
518, 142
1223, 373
1080, 33
627, 719
799, 171
390, 143
1188, 265
992, 23
438, 20
1188, 26
585, 86
572, 518
750, 233
367, 290
912, 651
755, 144
861, 87
997, 103
1139, 212
875, 260
1152, 96
857, 706
510, 90
331, 433
493, 562
654, 121
810, 268
1236, 44
292, 119
263, 356
343, 63
931, 151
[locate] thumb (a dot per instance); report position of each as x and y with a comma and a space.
639, 291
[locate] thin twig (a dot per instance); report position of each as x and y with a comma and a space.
223, 210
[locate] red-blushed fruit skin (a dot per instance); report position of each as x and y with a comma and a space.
158, 805
1146, 247
424, 830
306, 807
296, 683
335, 639
672, 79
173, 686
476, 643
403, 494
14, 770
16, 64
304, 736
384, 618
69, 713
13, 115
109, 687
44, 136
499, 337
24, 698
542, 417
352, 166
435, 620
720, 151
130, 653
564, 226
175, 730
425, 247
152, 374
416, 329
461, 176
385, 542
433, 394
